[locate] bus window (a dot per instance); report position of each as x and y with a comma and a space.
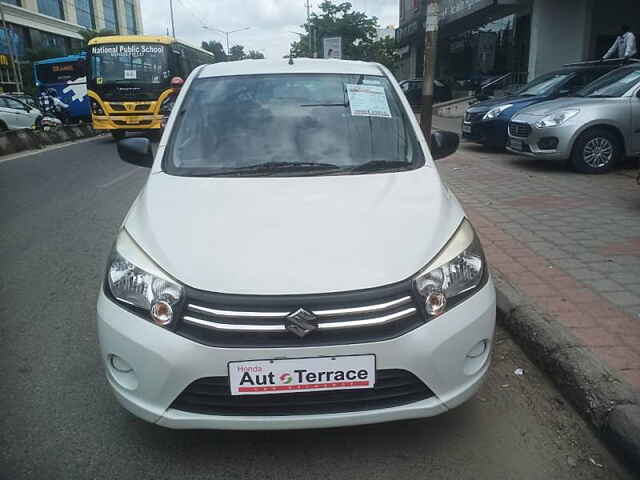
60, 72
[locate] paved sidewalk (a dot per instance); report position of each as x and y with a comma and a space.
570, 243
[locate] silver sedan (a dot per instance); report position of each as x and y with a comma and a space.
594, 130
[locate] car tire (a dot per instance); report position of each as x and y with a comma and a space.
118, 134
596, 151
3, 127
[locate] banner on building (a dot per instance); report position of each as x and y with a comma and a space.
332, 47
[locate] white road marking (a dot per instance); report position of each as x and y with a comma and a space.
58, 146
118, 179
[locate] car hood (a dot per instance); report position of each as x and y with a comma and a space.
521, 102
547, 108
294, 235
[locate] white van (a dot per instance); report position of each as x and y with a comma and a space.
294, 259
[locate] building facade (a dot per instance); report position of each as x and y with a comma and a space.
480, 39
58, 23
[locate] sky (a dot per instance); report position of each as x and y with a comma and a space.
270, 21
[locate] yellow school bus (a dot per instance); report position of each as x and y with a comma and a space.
129, 78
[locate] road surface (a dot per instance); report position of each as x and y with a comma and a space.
59, 214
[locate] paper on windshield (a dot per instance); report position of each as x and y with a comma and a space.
130, 74
368, 101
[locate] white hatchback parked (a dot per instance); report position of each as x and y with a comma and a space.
15, 114
294, 260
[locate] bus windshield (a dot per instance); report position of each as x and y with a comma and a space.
132, 63
63, 72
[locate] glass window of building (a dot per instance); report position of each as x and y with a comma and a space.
110, 15
13, 2
130, 15
84, 14
53, 8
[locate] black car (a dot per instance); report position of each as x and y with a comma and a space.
486, 122
413, 91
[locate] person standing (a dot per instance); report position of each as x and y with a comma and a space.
624, 46
46, 103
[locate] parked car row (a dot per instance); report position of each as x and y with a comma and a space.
413, 91
16, 113
587, 114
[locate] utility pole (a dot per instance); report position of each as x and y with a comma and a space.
173, 26
309, 33
14, 59
430, 51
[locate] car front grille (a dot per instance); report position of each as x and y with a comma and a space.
522, 130
338, 318
211, 396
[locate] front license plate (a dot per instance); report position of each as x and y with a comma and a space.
132, 120
516, 144
466, 128
259, 377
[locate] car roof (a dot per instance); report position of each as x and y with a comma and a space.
300, 65
587, 68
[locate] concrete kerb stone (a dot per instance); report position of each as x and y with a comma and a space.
602, 398
15, 141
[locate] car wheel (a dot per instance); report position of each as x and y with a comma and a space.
596, 151
118, 134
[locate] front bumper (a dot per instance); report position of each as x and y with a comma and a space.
531, 145
491, 133
126, 122
164, 364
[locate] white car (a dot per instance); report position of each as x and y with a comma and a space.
15, 114
294, 259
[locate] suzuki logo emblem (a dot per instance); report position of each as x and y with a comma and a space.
301, 322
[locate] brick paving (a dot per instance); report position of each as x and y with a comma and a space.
569, 243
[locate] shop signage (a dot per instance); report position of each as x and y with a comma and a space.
451, 10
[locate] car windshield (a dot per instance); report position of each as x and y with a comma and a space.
614, 84
545, 84
291, 124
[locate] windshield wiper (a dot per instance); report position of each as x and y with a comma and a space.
345, 105
601, 96
376, 165
272, 167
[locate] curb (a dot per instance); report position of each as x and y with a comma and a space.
606, 401
15, 141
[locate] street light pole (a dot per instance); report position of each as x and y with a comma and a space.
14, 59
173, 26
430, 51
227, 34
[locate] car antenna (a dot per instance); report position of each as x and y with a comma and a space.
291, 57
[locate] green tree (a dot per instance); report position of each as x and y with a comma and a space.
356, 29
88, 35
237, 53
216, 49
255, 55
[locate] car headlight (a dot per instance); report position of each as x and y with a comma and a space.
496, 112
557, 118
457, 272
135, 280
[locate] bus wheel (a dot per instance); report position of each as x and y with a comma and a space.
118, 134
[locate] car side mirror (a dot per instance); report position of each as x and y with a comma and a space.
136, 151
444, 144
